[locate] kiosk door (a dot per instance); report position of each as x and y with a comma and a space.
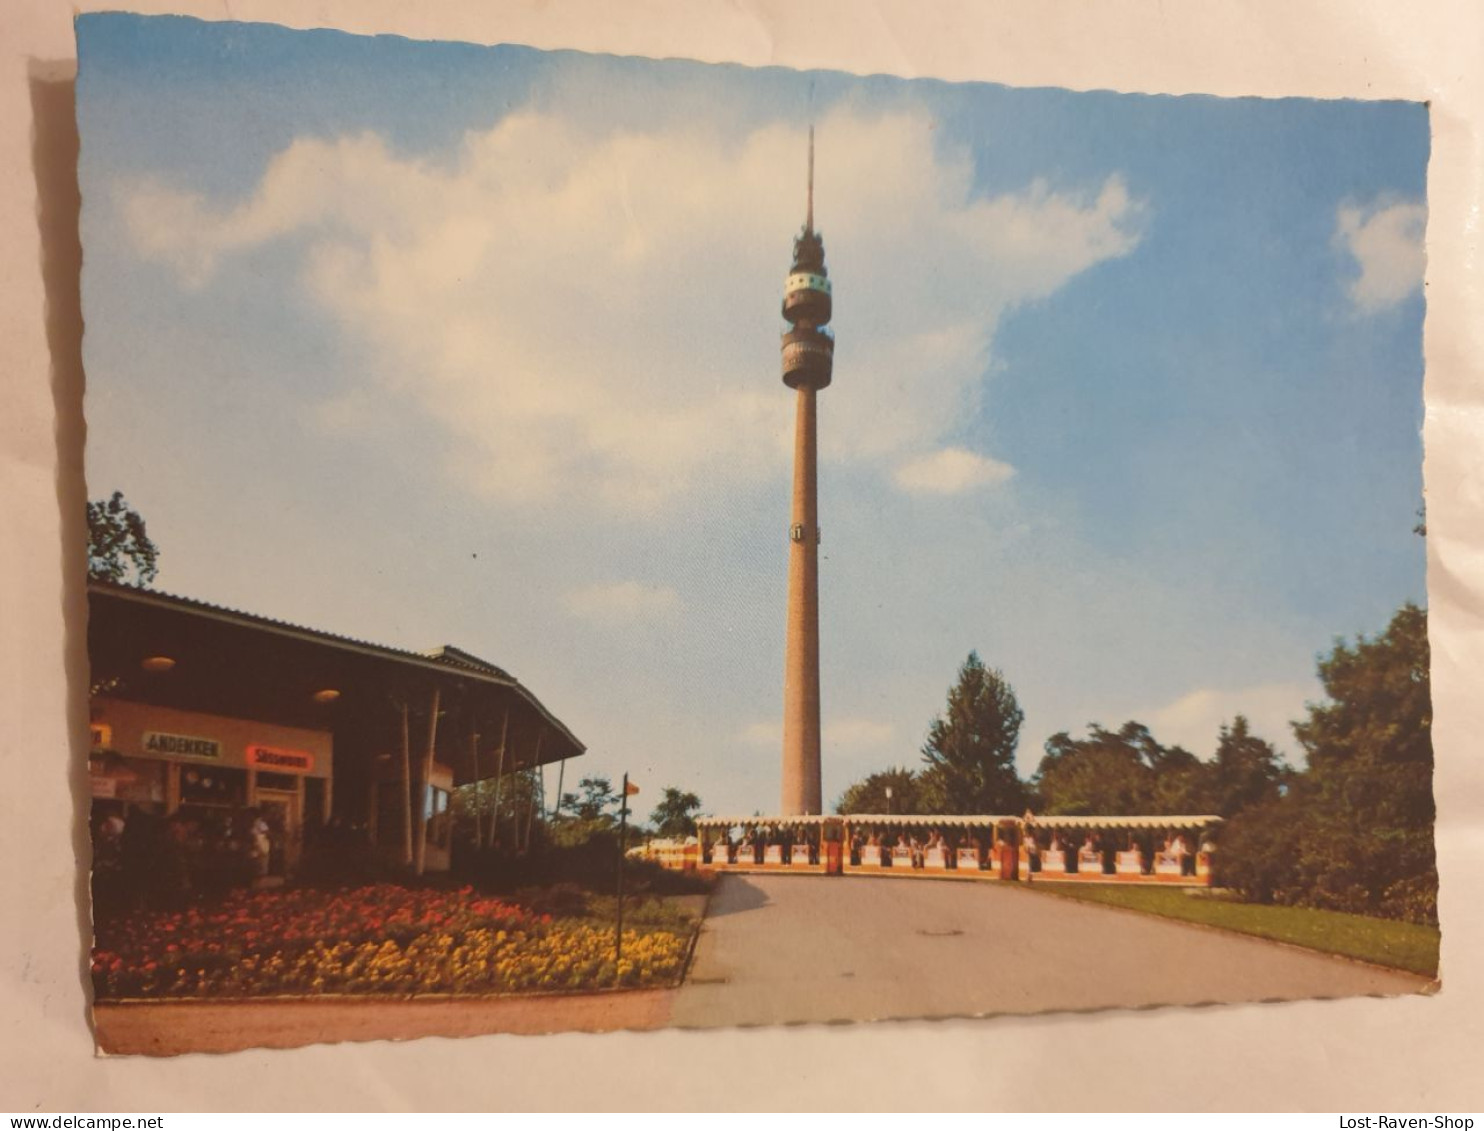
281, 813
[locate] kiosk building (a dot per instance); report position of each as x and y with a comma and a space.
217, 712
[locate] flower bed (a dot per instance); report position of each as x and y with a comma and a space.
380, 939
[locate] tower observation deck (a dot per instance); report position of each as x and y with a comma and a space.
808, 347
808, 365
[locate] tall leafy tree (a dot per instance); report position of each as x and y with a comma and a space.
1370, 766
1119, 772
517, 817
869, 794
595, 800
119, 548
970, 749
1354, 830
1104, 773
1179, 782
675, 815
1246, 771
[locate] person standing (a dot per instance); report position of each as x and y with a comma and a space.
260, 845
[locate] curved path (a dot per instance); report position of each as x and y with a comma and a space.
779, 949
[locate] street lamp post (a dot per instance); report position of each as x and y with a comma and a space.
888, 801
623, 836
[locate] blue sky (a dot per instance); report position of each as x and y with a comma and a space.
437, 343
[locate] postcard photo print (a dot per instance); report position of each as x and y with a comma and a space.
593, 543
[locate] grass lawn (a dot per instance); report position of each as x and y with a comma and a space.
1405, 946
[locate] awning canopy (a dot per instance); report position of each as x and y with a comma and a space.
761, 822
945, 820
970, 820
1147, 821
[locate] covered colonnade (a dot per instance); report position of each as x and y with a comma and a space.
1162, 849
1086, 849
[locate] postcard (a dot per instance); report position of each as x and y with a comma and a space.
589, 543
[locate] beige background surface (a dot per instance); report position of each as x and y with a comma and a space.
1368, 1055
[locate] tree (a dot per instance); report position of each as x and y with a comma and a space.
675, 815
119, 549
1368, 788
1118, 772
592, 802
1354, 830
869, 794
1180, 782
1245, 772
1104, 773
970, 750
1370, 746
518, 813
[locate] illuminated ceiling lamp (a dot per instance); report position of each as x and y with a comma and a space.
157, 663
326, 695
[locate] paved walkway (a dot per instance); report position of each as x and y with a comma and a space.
778, 949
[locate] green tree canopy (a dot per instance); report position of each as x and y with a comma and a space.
675, 815
869, 794
1354, 830
593, 800
1246, 771
1370, 746
970, 749
119, 549
1116, 773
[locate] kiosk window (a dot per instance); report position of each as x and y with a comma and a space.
139, 780
212, 785
440, 821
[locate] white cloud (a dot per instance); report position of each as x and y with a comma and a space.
847, 733
1386, 242
762, 733
855, 734
621, 603
1194, 720
592, 317
949, 471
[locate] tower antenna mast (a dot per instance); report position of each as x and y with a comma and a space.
809, 214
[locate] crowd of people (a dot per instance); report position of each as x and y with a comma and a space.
788, 840
143, 859
910, 847
1110, 853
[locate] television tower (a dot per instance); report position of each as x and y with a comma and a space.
808, 360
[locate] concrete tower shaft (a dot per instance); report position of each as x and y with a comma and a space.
802, 782
808, 364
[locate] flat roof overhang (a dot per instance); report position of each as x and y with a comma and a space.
239, 665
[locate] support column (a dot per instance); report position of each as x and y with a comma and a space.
406, 790
537, 784
172, 788
478, 785
499, 779
373, 807
426, 779
561, 776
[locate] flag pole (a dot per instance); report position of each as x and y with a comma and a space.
623, 825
